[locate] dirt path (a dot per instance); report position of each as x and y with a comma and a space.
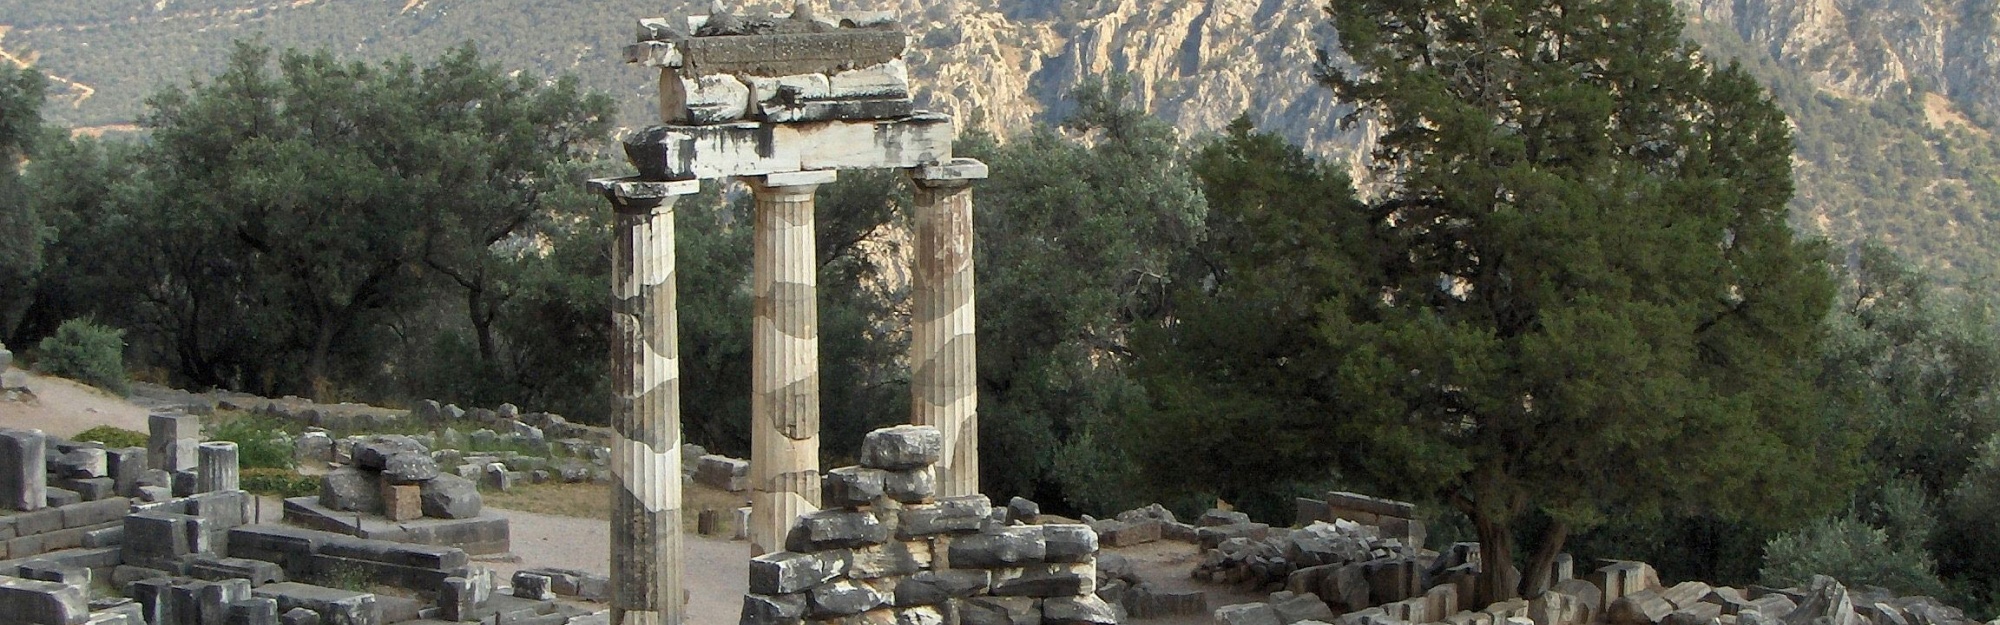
717, 570
63, 408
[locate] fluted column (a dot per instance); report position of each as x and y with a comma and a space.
646, 414
944, 368
784, 357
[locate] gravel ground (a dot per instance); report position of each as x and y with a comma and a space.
63, 408
718, 570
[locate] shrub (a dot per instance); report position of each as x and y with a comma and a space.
1847, 549
261, 442
113, 438
279, 482
86, 352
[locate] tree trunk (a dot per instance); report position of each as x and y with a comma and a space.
477, 308
316, 362
1497, 580
1539, 565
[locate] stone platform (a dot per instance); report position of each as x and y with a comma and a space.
481, 535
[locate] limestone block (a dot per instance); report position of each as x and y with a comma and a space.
1003, 547
1645, 607
836, 529
842, 598
1686, 594
786, 609
333, 606
902, 448
374, 452
999, 611
1115, 533
53, 571
771, 92
165, 448
533, 586
124, 467
1247, 614
889, 80
1023, 510
912, 486
1211, 537
1295, 607
455, 600
1068, 543
409, 467
351, 490
791, 53
215, 568
83, 462
786, 572
750, 149
937, 586
402, 502
1045, 580
42, 602
723, 472
891, 559
1078, 611
1218, 518
23, 470
950, 515
253, 611
298, 616
1696, 614
920, 615
852, 487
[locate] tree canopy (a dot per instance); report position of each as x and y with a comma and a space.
1572, 296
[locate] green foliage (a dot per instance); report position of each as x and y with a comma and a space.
86, 352
1577, 298
21, 229
1914, 369
299, 221
1087, 233
261, 442
1241, 357
112, 437
278, 482
1847, 549
1969, 547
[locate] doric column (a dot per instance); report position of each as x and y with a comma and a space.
784, 357
646, 413
944, 368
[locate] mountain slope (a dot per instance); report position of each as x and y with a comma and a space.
1895, 101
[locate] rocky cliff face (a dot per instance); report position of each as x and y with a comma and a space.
1866, 49
1198, 64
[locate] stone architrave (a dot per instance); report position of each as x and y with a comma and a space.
784, 357
646, 558
944, 380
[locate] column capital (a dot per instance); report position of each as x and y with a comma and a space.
956, 172
789, 183
632, 195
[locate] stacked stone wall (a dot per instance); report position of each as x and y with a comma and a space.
888, 551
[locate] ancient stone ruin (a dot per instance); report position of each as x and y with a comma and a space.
394, 490
780, 103
887, 551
